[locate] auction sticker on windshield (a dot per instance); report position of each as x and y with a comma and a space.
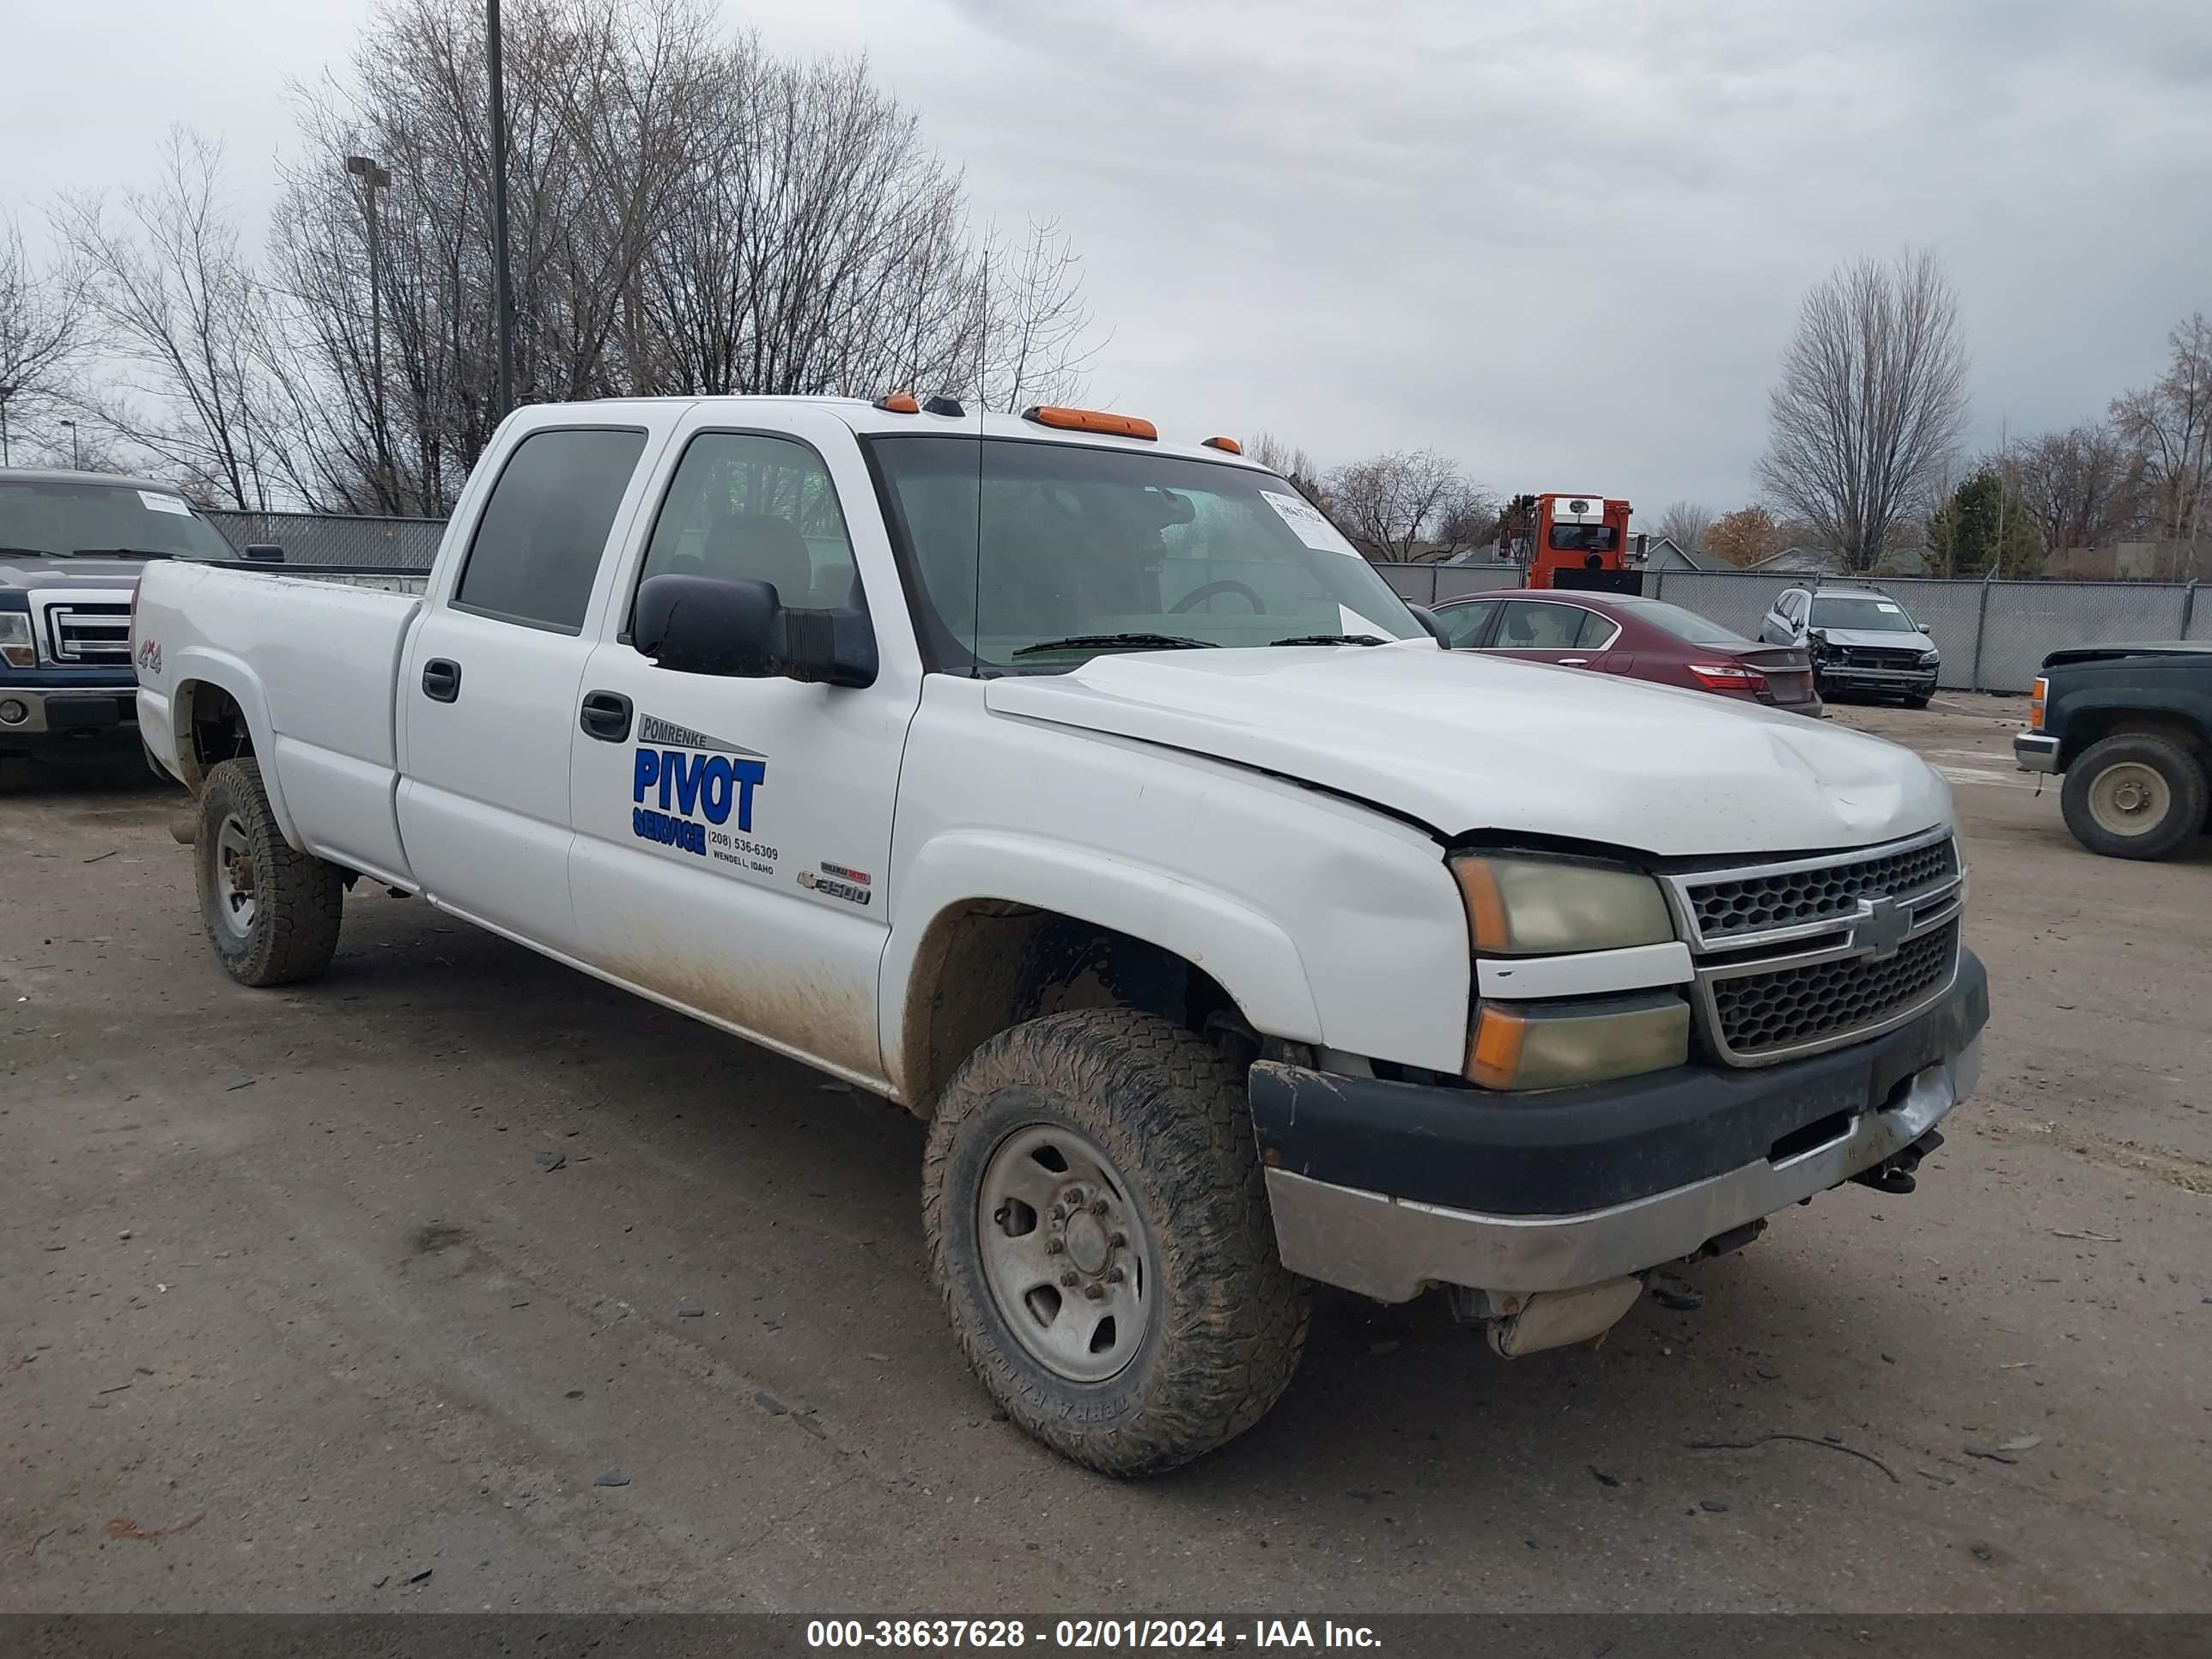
1307, 523
157, 502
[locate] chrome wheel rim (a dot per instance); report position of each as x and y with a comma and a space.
236, 878
2130, 798
1063, 1255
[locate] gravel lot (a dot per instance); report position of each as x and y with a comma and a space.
294, 1315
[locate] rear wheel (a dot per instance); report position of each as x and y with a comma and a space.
2135, 797
1098, 1227
272, 912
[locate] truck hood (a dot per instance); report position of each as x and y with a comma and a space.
1860, 638
22, 570
1463, 743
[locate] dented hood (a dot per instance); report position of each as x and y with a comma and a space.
1464, 742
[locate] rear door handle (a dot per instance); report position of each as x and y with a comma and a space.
441, 680
605, 716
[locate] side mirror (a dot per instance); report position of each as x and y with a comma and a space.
265, 552
1427, 618
741, 630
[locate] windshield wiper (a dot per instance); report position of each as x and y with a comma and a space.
121, 553
36, 552
1331, 639
1105, 641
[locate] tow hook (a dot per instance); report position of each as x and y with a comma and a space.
1894, 1173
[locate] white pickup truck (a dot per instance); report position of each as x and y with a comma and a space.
1092, 798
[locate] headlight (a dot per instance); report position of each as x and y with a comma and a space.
16, 647
1535, 1045
1519, 905
1930, 659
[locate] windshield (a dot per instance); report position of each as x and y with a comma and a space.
41, 516
1682, 624
1581, 538
1868, 614
1077, 544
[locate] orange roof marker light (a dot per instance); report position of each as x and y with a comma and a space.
899, 403
1092, 420
1227, 446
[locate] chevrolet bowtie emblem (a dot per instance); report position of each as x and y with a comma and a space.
1882, 924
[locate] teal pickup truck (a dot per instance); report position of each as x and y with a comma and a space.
2131, 728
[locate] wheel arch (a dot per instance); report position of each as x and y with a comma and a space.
219, 713
2091, 723
1016, 931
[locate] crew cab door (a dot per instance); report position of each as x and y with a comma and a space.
732, 851
487, 694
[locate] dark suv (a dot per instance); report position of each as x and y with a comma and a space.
72, 545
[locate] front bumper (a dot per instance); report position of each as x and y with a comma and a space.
50, 712
2033, 752
1388, 1188
1842, 676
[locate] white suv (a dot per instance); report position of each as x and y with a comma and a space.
1860, 640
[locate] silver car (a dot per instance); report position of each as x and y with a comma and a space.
1861, 640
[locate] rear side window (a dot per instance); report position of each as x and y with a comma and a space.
1541, 625
537, 546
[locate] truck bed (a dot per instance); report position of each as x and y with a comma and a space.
312, 658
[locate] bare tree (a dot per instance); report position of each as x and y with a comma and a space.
1466, 519
1871, 402
1686, 524
2170, 425
1291, 464
2080, 487
188, 322
691, 216
46, 329
1388, 504
1037, 342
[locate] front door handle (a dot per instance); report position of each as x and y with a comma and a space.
441, 680
605, 716
1574, 662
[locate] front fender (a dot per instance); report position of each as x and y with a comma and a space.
1249, 954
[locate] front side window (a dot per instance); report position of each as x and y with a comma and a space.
1869, 614
538, 544
746, 508
68, 519
1463, 623
1020, 548
1540, 625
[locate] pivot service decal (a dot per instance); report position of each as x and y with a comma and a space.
693, 777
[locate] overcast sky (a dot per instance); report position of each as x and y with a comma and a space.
1563, 242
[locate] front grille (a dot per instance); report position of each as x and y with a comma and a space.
1760, 1014
1757, 903
1863, 656
89, 633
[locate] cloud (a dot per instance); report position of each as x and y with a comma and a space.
1565, 243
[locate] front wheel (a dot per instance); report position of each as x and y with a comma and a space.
272, 912
2133, 797
1098, 1227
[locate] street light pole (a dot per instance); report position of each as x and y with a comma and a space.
373, 178
503, 295
76, 450
6, 393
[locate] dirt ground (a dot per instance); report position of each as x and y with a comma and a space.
293, 1315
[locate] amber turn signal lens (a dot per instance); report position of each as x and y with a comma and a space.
899, 403
2035, 699
1228, 446
1558, 1045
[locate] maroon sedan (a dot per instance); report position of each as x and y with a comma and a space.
1641, 639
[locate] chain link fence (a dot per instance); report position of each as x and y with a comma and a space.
1993, 634
310, 539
